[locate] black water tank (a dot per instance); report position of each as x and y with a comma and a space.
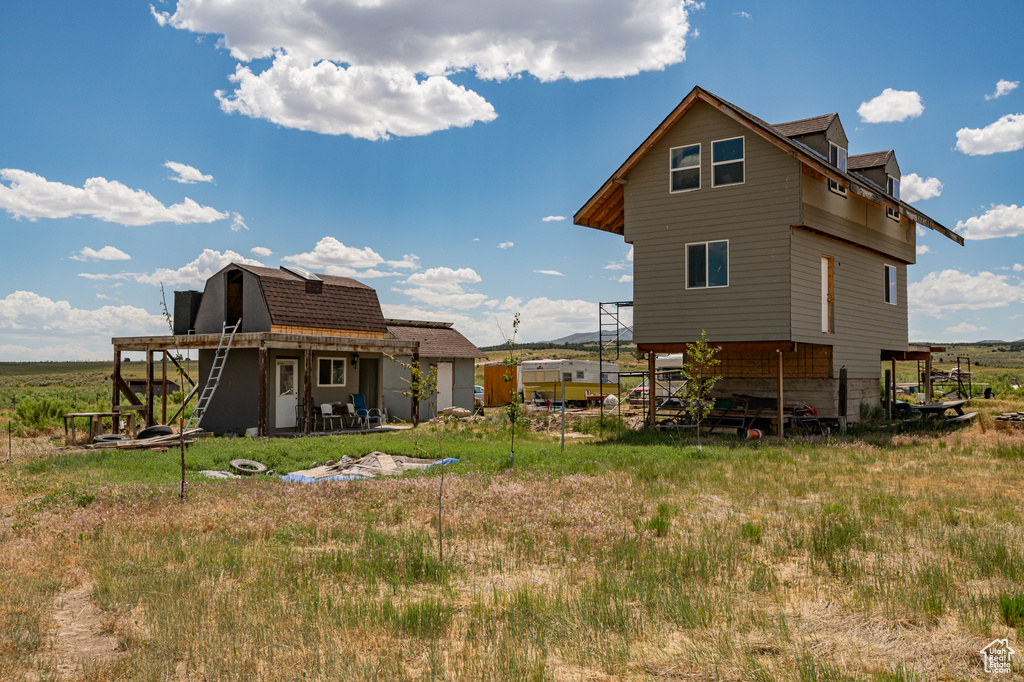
186, 307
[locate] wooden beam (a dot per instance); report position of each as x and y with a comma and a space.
163, 387
726, 347
415, 399
115, 399
181, 369
149, 388
261, 420
651, 371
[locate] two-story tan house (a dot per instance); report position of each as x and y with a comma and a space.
790, 253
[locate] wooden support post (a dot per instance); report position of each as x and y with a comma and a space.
778, 391
843, 410
651, 373
928, 378
261, 420
115, 399
307, 393
163, 388
149, 388
888, 402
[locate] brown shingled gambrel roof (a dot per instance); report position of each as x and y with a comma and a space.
605, 210
869, 160
436, 339
343, 303
805, 126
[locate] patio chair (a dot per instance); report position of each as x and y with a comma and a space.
329, 417
365, 415
300, 417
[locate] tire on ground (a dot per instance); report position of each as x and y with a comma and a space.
248, 467
154, 431
109, 438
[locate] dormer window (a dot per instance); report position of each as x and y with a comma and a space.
837, 157
684, 168
892, 186
727, 162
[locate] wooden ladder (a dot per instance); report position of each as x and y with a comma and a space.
214, 379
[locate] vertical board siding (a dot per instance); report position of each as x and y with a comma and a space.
754, 217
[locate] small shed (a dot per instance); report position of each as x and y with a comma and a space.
497, 391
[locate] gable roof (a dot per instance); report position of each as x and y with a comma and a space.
341, 303
869, 160
805, 126
605, 210
436, 339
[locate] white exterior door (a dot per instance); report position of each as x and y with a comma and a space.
445, 381
287, 393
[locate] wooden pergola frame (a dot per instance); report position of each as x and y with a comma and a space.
263, 341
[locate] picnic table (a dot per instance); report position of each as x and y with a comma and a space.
95, 422
939, 409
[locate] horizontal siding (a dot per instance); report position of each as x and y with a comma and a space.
857, 220
864, 324
754, 217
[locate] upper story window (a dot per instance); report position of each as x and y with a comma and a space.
707, 265
892, 186
684, 168
890, 284
330, 372
727, 162
837, 157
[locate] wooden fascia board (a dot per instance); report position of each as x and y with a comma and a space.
267, 340
725, 346
922, 219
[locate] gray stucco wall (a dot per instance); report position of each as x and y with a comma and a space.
234, 406
255, 316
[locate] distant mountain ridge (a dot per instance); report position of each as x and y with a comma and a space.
588, 337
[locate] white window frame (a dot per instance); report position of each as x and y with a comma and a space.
706, 264
672, 170
742, 160
891, 284
840, 164
332, 359
892, 188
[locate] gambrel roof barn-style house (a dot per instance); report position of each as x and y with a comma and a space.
303, 340
790, 253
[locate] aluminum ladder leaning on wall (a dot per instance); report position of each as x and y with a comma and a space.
214, 379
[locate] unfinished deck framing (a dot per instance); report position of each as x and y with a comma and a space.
168, 346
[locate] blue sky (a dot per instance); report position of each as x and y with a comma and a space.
437, 151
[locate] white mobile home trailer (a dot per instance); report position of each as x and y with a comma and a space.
541, 380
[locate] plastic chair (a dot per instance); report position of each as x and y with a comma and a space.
365, 415
328, 415
300, 417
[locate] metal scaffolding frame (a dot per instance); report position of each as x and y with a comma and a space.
610, 330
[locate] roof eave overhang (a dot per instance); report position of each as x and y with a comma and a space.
606, 208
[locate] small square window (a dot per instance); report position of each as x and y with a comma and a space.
330, 372
684, 168
890, 284
892, 186
727, 162
837, 157
707, 265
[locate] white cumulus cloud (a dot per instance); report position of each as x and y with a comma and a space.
35, 327
1005, 135
915, 188
28, 195
329, 251
238, 222
891, 106
106, 253
962, 329
196, 273
552, 218
261, 251
550, 272
998, 221
506, 245
1003, 87
187, 175
382, 67
444, 287
923, 248
951, 290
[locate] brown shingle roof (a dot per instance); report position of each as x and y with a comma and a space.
805, 126
870, 160
342, 303
436, 339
